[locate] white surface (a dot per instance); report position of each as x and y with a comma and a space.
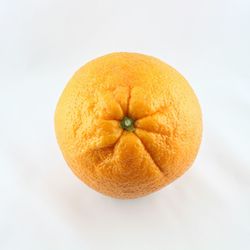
43, 205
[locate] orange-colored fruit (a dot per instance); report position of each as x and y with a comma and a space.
128, 124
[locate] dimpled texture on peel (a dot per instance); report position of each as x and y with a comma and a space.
167, 121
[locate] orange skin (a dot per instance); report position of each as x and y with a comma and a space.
166, 117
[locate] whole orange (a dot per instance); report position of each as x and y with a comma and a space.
128, 124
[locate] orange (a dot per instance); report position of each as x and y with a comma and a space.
128, 124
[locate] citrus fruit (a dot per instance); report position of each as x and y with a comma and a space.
128, 124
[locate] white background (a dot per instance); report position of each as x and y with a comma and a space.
43, 205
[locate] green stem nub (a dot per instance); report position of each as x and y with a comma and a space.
127, 124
